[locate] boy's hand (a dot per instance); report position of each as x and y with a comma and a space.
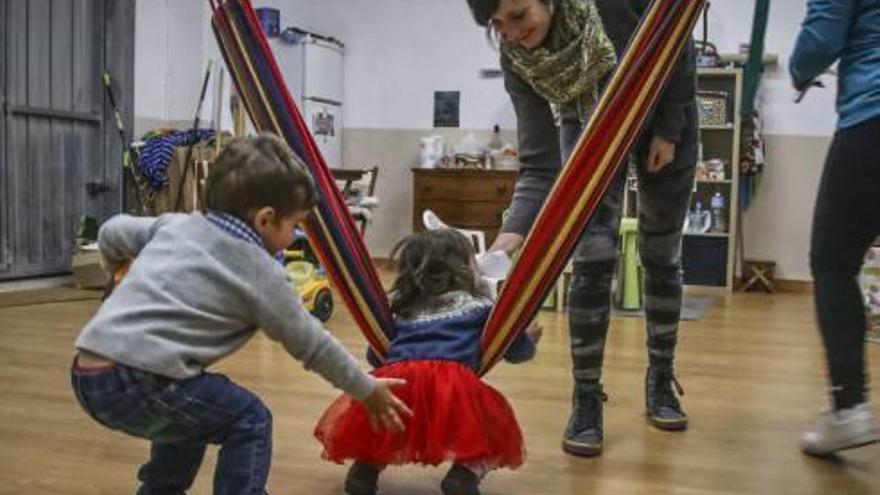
535, 331
384, 408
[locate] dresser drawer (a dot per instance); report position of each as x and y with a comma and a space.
497, 189
468, 199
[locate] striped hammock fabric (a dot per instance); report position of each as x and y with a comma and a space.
607, 138
330, 229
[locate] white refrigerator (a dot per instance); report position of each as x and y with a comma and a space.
313, 70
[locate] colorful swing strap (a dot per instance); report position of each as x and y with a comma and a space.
331, 230
607, 138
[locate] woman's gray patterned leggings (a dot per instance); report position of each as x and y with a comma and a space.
663, 204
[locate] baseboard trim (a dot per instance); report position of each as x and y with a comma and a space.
784, 285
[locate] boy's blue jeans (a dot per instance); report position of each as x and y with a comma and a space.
181, 417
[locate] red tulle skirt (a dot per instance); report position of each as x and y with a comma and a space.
456, 417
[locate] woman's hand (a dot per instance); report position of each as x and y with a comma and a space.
384, 408
661, 154
507, 242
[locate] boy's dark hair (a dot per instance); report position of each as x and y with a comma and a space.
429, 264
256, 172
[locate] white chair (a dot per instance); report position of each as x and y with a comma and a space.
432, 222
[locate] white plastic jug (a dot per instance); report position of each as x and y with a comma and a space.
430, 151
698, 220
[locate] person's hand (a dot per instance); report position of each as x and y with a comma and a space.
384, 408
535, 331
804, 87
661, 154
494, 264
507, 242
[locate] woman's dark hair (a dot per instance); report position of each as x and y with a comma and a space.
483, 10
256, 172
429, 264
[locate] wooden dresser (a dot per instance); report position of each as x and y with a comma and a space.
465, 198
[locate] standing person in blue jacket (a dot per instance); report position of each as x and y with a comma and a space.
556, 56
847, 216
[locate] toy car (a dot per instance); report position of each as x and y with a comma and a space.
311, 284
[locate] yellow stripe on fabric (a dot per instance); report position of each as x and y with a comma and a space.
365, 310
368, 315
531, 286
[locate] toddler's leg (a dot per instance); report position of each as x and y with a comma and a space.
463, 479
362, 479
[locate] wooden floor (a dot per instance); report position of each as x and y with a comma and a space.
752, 371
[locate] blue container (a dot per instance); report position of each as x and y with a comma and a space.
270, 19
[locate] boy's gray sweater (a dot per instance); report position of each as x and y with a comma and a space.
195, 294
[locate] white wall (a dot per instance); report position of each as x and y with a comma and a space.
169, 58
398, 52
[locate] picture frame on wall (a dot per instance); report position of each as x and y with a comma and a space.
446, 108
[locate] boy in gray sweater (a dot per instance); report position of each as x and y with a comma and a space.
198, 289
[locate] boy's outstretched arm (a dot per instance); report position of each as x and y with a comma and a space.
281, 315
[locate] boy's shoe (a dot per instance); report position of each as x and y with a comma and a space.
460, 481
840, 430
583, 434
362, 479
663, 408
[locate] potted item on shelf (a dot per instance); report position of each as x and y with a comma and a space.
715, 169
702, 172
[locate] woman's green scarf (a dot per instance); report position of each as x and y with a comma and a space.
568, 67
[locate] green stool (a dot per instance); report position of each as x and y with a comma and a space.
629, 281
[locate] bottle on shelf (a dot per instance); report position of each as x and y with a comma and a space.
495, 142
699, 220
719, 218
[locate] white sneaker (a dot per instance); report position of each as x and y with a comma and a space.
840, 430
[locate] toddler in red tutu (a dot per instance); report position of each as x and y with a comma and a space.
440, 308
